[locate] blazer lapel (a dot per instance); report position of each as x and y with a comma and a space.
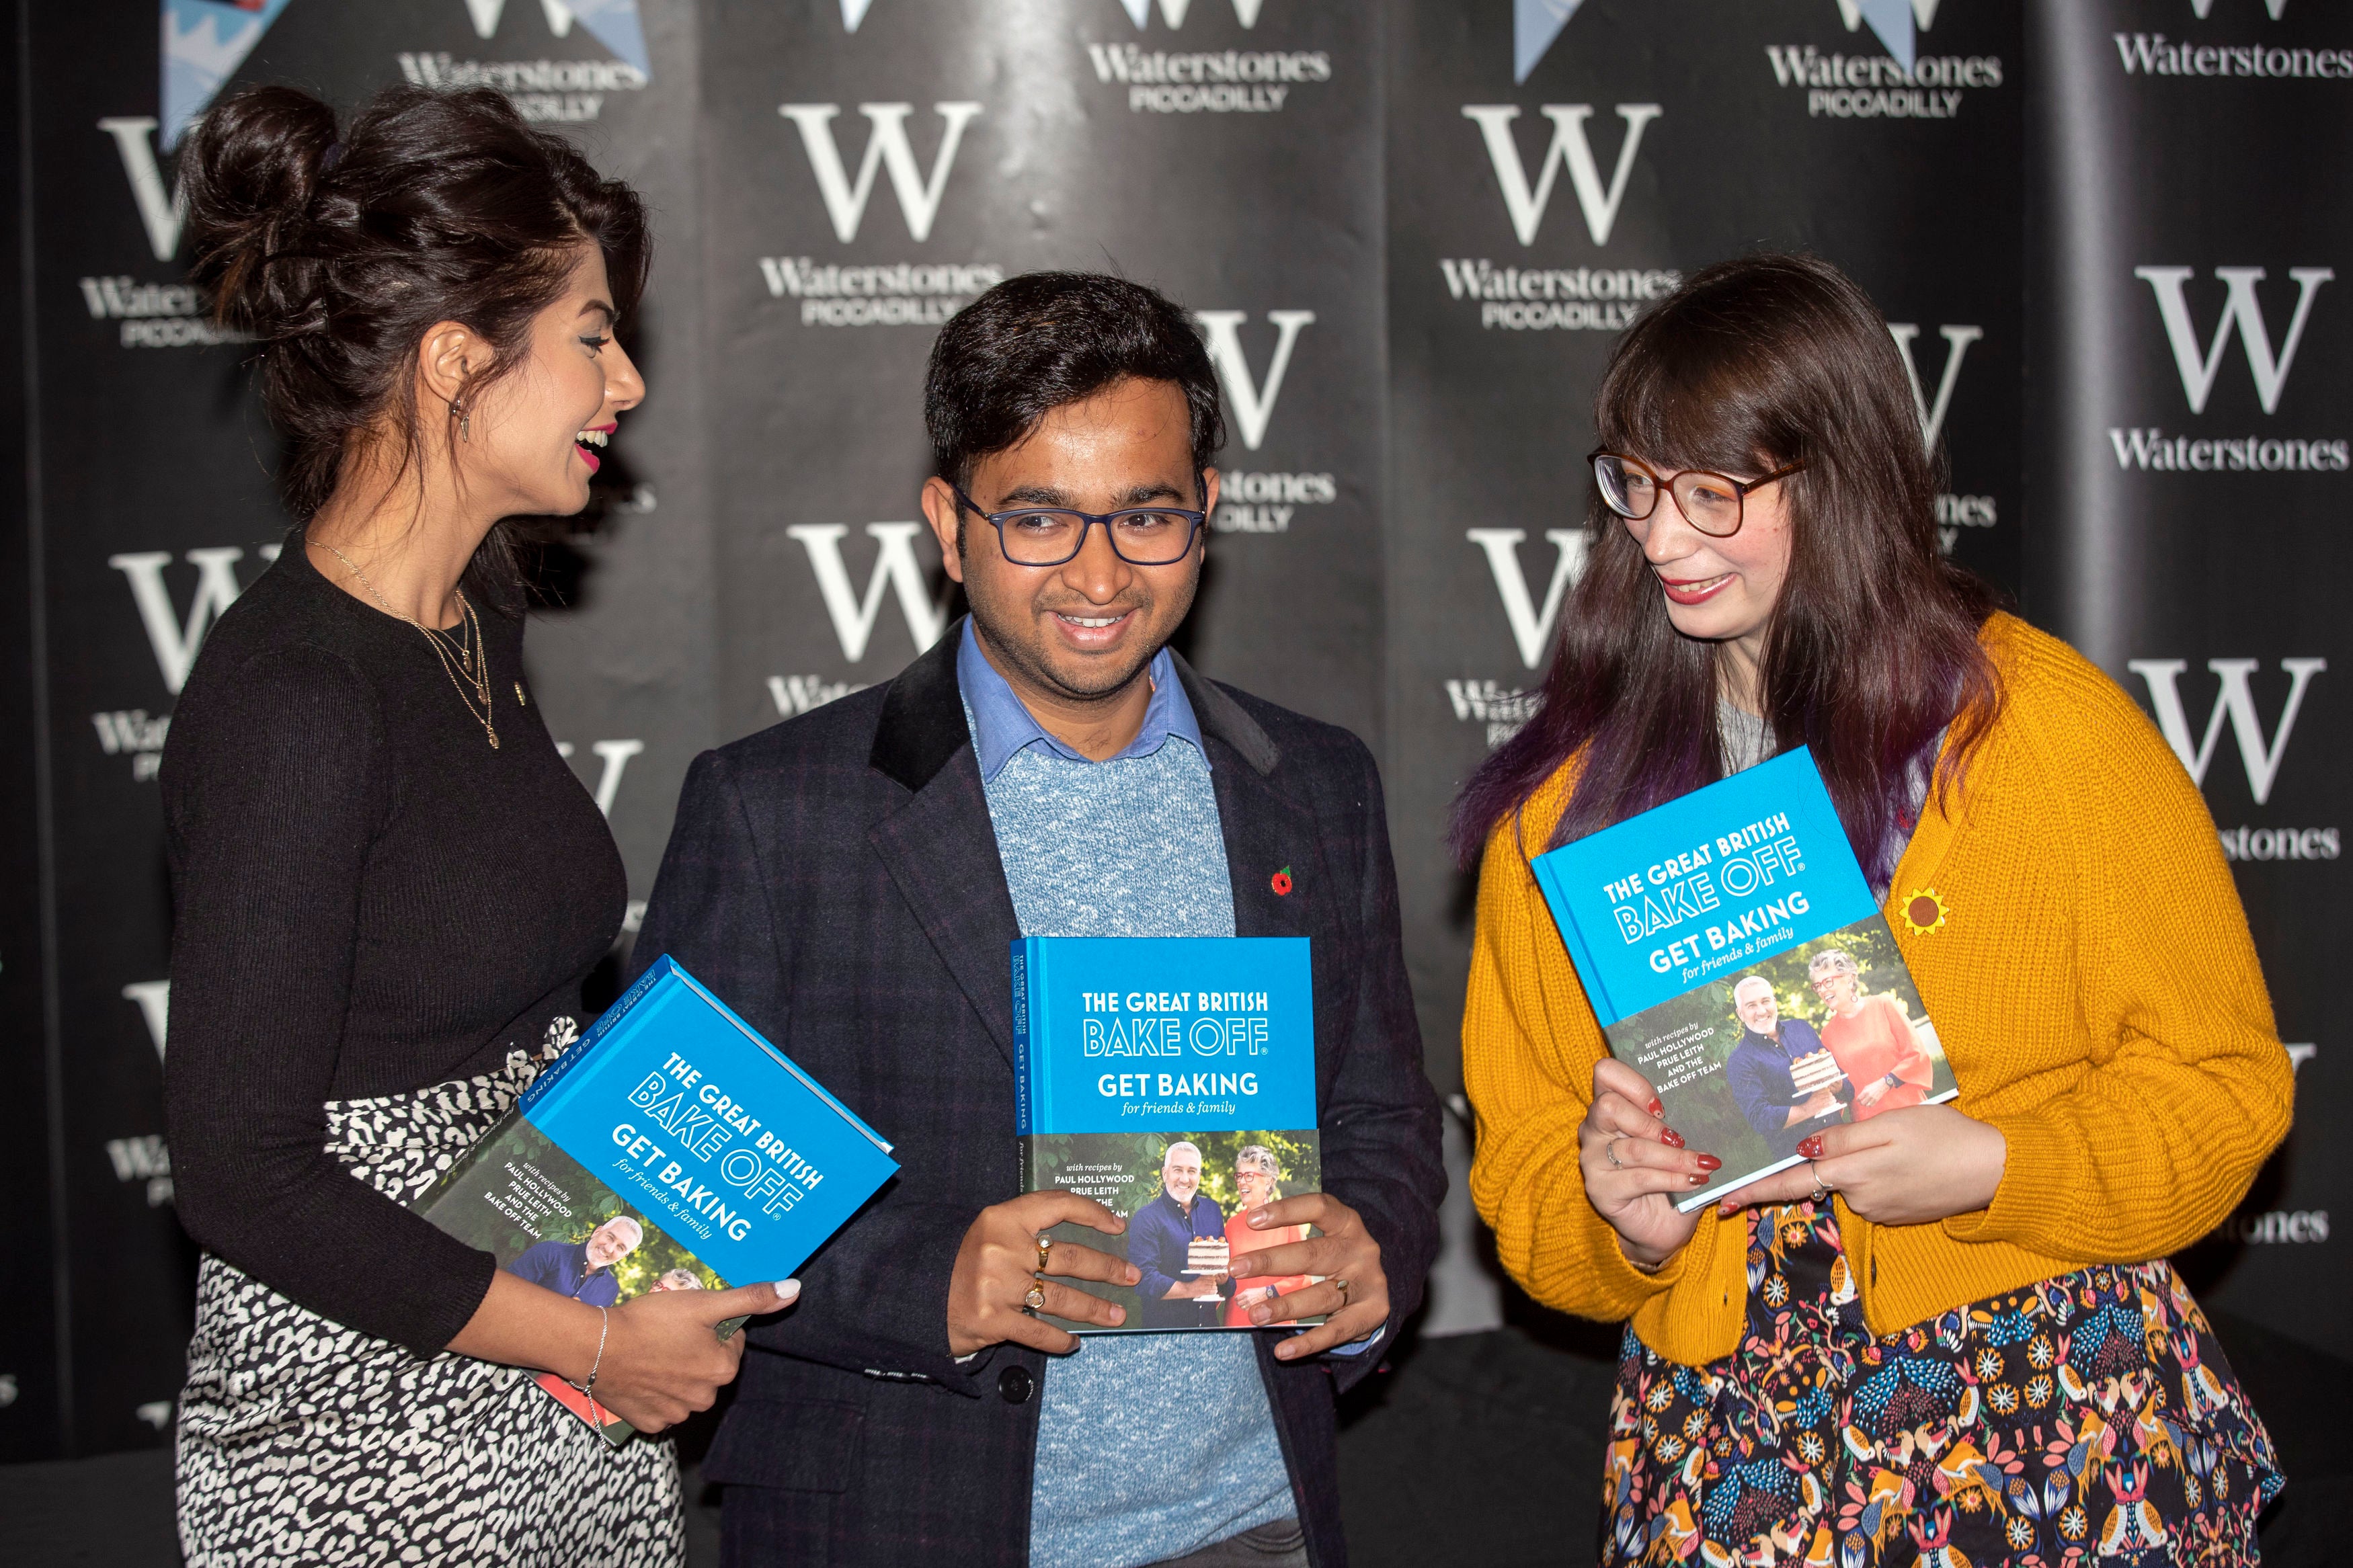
940, 847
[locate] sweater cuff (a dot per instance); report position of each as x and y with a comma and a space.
2037, 1161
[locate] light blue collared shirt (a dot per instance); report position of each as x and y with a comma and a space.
1001, 726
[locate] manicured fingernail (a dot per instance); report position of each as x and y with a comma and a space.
787, 1290
1723, 1210
1708, 1162
1657, 1108
1695, 1181
1671, 1139
1810, 1147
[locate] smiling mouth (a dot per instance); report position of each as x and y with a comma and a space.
1694, 590
595, 437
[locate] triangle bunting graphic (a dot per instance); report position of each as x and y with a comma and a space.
615, 25
1535, 25
204, 42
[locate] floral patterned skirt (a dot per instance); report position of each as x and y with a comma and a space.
2087, 1416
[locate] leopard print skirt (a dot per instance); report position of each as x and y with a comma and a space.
302, 1441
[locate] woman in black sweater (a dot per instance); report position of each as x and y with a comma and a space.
388, 885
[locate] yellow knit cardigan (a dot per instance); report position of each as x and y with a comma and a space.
2093, 986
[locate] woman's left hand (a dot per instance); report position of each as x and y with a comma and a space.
1901, 1167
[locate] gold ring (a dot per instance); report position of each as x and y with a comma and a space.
1045, 1246
1342, 1287
1035, 1299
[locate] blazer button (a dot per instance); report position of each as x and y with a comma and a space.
1014, 1384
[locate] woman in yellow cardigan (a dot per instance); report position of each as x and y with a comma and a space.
1953, 1332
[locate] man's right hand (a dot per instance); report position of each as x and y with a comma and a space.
994, 1270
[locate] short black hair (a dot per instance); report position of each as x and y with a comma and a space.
1040, 340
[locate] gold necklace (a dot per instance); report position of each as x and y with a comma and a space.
471, 665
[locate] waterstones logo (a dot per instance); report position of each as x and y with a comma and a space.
1531, 627
1252, 400
545, 92
130, 732
1252, 503
900, 294
2199, 364
798, 694
897, 572
1877, 87
175, 638
1554, 299
614, 755
889, 150
2153, 54
1227, 81
2234, 704
2276, 1225
1571, 149
144, 1163
1502, 709
154, 315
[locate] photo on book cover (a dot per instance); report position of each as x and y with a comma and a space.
1186, 1197
1764, 1056
549, 1220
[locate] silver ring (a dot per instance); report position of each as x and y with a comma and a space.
1820, 1192
1609, 1152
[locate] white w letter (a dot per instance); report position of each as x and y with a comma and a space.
175, 645
1569, 147
2236, 702
162, 214
1531, 630
886, 147
1957, 343
895, 567
1253, 405
2199, 366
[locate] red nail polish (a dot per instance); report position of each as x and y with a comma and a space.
1698, 1181
1810, 1148
1708, 1162
1671, 1139
1656, 1109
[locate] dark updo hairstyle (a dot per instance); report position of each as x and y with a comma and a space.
1753, 364
338, 256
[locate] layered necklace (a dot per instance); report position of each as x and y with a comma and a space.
464, 653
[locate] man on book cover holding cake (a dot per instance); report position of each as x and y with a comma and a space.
851, 881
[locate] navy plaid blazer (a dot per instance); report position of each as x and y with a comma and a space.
836, 879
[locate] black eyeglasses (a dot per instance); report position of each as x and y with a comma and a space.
1047, 536
1710, 502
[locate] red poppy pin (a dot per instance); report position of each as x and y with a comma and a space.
1281, 882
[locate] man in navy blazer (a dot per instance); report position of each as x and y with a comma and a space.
851, 881
1161, 1234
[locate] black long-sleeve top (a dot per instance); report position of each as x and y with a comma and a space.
370, 900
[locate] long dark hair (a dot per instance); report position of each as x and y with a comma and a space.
1754, 364
338, 256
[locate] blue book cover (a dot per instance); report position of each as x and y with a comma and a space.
1172, 1080
1734, 956
671, 1148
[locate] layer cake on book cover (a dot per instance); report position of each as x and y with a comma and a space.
1172, 1080
671, 1148
1734, 957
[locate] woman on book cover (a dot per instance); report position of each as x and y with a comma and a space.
1910, 1342
1873, 1043
1258, 1182
388, 886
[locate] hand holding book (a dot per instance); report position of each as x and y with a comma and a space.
1636, 1166
1345, 1255
1001, 1261
1910, 1166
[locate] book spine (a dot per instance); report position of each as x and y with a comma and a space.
542, 1088
1023, 1122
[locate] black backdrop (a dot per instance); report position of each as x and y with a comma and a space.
2106, 232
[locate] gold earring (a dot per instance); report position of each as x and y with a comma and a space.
465, 420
